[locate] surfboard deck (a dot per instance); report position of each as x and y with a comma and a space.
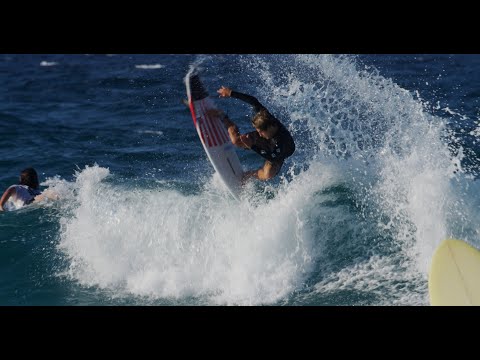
454, 277
213, 135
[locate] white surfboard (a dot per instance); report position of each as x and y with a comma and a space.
213, 135
454, 277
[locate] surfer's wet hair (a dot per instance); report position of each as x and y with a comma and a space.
263, 120
29, 177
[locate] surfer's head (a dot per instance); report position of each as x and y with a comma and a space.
29, 177
265, 124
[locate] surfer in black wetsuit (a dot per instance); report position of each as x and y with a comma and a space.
271, 139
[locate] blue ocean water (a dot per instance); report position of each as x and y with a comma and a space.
386, 167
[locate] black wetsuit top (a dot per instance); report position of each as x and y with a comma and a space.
276, 149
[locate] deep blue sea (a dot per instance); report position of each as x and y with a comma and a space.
386, 167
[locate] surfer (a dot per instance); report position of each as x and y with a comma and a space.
27, 191
271, 139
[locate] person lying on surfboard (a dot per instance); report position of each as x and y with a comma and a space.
271, 139
27, 191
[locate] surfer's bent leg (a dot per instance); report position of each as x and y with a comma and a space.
266, 172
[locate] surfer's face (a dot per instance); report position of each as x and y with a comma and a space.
262, 133
267, 134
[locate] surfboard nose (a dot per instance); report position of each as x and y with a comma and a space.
197, 89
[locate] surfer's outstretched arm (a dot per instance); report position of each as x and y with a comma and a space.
227, 92
47, 194
6, 195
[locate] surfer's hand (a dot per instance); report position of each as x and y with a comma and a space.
224, 91
247, 140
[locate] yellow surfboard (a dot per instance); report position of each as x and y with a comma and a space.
454, 278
